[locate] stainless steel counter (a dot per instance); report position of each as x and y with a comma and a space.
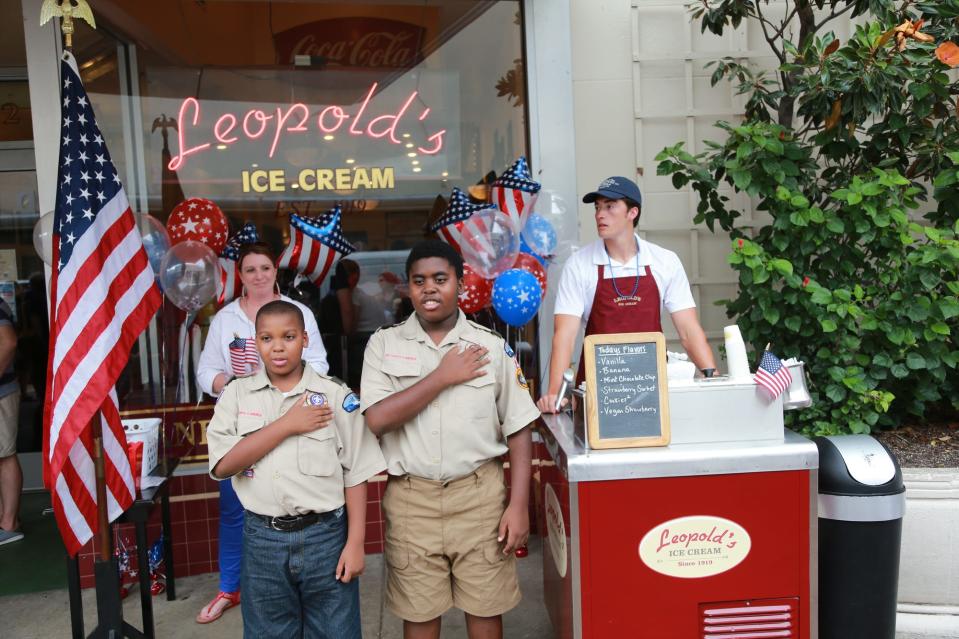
577, 463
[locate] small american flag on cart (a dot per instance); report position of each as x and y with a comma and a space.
244, 358
772, 375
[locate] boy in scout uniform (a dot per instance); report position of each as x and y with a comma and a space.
448, 399
296, 448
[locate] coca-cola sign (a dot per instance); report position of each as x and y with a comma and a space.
377, 43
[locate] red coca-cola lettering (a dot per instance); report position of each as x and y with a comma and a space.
294, 119
355, 42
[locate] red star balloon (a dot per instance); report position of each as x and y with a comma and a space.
528, 263
200, 220
477, 291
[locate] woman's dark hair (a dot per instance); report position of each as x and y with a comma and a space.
255, 248
435, 248
631, 204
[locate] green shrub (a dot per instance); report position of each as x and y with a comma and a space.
843, 277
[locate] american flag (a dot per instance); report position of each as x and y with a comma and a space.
514, 193
315, 245
244, 357
772, 375
457, 218
102, 296
228, 283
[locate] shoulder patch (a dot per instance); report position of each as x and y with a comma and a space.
351, 402
520, 378
508, 349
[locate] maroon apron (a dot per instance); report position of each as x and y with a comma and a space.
612, 313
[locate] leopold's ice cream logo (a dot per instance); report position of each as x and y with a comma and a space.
555, 530
695, 547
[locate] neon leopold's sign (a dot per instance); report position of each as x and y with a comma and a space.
295, 119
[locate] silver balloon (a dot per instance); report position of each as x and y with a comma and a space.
43, 238
489, 242
156, 239
188, 275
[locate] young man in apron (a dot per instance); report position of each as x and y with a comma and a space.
620, 284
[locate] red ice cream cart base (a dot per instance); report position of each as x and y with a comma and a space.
694, 540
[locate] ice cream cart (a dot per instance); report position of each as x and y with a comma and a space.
713, 535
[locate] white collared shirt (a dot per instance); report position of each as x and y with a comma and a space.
577, 286
231, 321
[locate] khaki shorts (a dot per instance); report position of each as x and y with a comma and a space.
9, 419
441, 546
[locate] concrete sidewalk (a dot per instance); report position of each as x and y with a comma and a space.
46, 614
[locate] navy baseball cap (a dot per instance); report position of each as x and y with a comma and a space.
615, 188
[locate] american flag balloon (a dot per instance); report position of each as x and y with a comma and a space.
228, 284
514, 193
451, 224
316, 243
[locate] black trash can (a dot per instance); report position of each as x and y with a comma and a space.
861, 504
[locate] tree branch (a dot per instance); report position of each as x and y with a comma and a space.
832, 16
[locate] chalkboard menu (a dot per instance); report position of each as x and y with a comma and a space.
627, 402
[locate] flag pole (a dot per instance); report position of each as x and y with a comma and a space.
104, 543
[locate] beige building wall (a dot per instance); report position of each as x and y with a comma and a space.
639, 85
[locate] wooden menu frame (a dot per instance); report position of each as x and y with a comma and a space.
592, 395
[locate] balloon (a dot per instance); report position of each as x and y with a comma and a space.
540, 235
529, 263
489, 242
43, 238
188, 275
200, 220
476, 291
516, 297
156, 240
526, 248
515, 191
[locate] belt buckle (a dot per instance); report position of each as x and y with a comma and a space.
280, 523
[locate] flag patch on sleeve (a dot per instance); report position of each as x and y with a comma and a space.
351, 402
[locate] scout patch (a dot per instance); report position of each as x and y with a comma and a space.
520, 378
509, 351
351, 402
315, 399
248, 472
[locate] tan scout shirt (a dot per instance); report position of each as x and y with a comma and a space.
305, 473
465, 425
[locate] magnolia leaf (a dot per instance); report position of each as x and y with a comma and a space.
833, 46
884, 39
948, 53
833, 118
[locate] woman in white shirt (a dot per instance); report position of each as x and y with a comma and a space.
229, 352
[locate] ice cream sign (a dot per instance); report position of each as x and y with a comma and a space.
695, 547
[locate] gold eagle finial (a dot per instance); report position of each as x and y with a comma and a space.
68, 9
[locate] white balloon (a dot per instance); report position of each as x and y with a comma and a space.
43, 238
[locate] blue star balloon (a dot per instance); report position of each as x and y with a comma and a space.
516, 296
540, 235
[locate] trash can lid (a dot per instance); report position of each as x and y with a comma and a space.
857, 465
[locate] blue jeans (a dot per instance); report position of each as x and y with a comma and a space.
231, 537
289, 582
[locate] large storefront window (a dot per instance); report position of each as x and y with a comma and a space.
270, 109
